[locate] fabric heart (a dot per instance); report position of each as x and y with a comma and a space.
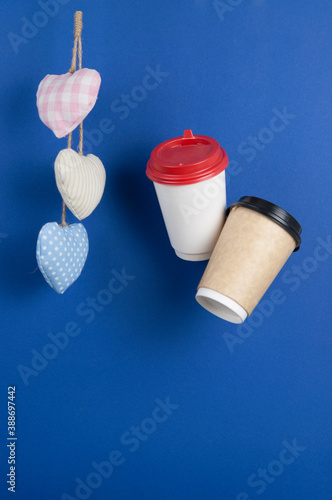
61, 254
63, 101
80, 180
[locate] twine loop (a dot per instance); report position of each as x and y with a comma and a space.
78, 26
78, 16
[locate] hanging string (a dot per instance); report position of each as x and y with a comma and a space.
63, 218
78, 26
80, 144
77, 51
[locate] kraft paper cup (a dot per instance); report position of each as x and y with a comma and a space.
188, 174
255, 243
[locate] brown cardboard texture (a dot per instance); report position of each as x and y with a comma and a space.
250, 252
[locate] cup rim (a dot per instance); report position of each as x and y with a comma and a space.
221, 305
274, 213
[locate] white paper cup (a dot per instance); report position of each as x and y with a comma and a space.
189, 178
194, 215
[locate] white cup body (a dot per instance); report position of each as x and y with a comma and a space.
194, 215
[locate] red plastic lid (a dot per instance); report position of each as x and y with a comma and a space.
186, 160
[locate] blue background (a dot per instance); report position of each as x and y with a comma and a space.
234, 405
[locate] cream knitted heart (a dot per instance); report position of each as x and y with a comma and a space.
80, 180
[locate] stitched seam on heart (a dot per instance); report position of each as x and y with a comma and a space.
92, 200
62, 170
60, 181
97, 178
69, 203
95, 171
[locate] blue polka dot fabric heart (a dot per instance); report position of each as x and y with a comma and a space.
61, 254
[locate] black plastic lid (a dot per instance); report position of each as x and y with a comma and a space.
275, 213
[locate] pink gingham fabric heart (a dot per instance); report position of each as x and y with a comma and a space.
63, 101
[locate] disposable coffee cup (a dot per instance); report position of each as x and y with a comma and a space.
255, 243
188, 174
